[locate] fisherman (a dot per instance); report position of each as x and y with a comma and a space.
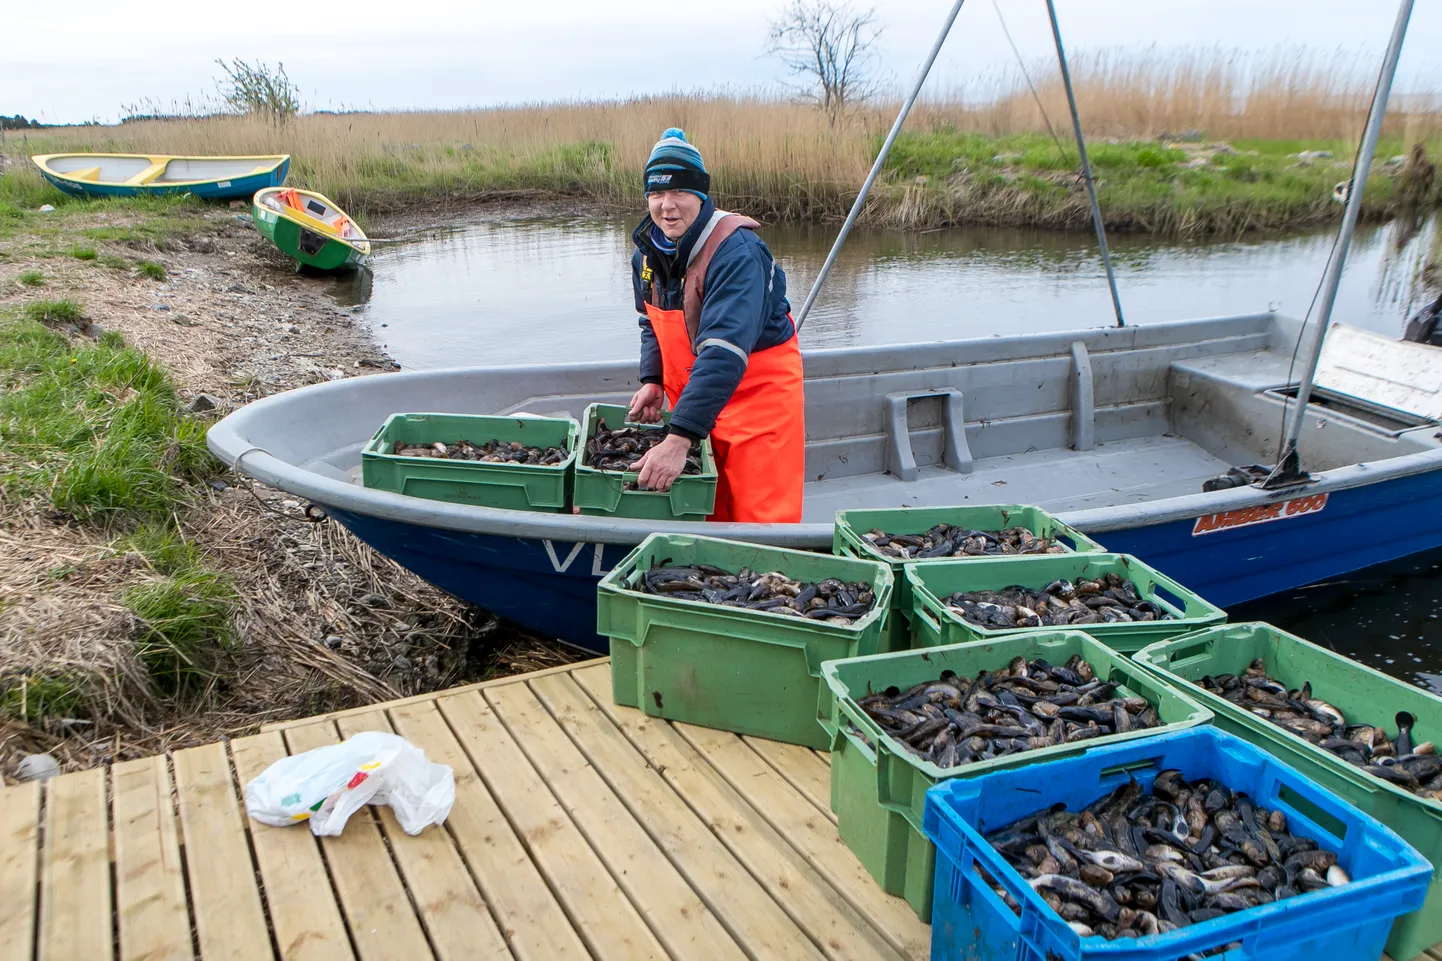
717, 344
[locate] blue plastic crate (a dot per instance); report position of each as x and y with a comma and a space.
1349, 923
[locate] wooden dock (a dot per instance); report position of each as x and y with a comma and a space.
580, 830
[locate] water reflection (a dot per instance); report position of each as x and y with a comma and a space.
559, 289
1387, 617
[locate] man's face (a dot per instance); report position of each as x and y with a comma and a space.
674, 211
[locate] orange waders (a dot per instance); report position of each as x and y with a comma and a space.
760, 436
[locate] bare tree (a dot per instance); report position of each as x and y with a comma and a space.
829, 45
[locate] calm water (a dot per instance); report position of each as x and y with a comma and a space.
556, 290
560, 290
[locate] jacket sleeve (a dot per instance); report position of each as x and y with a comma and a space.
733, 314
650, 369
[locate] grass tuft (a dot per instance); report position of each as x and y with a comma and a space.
163, 547
184, 627
83, 253
32, 278
53, 312
95, 428
151, 269
29, 697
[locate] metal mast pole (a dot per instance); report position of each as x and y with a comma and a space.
1289, 471
876, 167
1081, 147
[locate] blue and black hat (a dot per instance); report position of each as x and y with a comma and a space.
676, 165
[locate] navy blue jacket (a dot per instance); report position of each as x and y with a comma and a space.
743, 310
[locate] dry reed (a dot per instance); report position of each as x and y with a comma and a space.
778, 159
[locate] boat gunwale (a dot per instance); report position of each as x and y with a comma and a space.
227, 440
42, 161
362, 250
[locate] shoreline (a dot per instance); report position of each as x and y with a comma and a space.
315, 621
936, 177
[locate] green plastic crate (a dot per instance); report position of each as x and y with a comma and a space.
850, 525
737, 670
933, 623
517, 487
691, 497
1353, 689
878, 789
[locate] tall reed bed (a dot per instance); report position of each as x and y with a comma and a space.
783, 160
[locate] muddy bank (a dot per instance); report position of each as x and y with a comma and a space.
320, 621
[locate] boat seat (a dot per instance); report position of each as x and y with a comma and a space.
149, 173
85, 173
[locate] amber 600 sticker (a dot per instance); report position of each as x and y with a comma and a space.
1261, 514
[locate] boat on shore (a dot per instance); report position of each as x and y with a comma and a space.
139, 175
309, 228
1116, 430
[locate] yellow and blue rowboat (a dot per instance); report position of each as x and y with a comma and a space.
138, 175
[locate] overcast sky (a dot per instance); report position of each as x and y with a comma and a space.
98, 55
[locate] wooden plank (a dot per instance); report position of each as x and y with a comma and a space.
530, 919
603, 917
824, 757
223, 892
452, 910
377, 909
19, 858
680, 919
303, 912
802, 769
75, 918
795, 819
426, 698
841, 930
149, 876
748, 911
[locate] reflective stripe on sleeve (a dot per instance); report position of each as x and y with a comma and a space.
718, 342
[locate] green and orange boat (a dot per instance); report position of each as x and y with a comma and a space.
309, 228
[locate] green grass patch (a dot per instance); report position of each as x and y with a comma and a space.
29, 697
148, 221
93, 427
83, 253
32, 278
151, 270
1141, 184
163, 547
53, 312
184, 627
114, 262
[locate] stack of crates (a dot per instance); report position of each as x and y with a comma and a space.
529, 487
852, 526
1362, 695
878, 786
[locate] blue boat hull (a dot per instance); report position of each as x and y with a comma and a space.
1358, 527
242, 188
550, 586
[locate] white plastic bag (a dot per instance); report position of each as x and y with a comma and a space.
329, 784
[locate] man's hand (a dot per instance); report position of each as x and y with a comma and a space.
661, 465
646, 404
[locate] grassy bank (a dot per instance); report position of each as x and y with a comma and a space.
91, 432
975, 156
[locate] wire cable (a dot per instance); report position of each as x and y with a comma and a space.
1306, 318
1027, 77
